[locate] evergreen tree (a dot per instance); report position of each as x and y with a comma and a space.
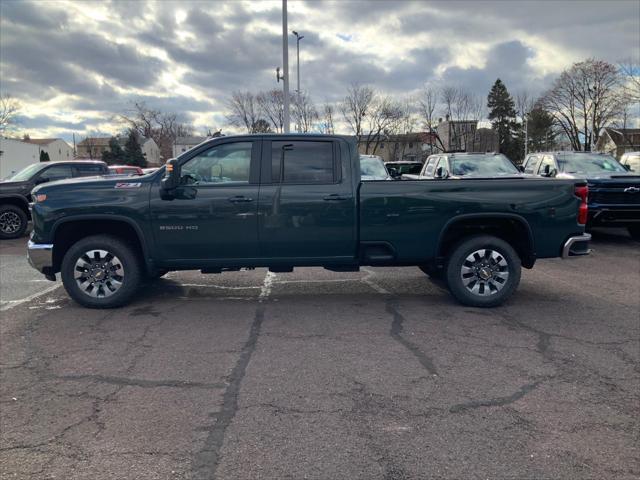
132, 151
540, 130
44, 156
502, 113
115, 154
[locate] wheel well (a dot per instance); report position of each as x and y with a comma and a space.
511, 230
18, 202
69, 233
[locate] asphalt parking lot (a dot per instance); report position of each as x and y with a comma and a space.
313, 374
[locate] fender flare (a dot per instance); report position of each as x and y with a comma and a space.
480, 216
21, 199
108, 216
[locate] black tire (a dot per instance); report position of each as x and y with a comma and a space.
123, 259
13, 222
634, 231
156, 274
433, 272
490, 278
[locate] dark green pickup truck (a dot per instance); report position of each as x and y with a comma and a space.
282, 201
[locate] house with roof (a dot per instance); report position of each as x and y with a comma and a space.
93, 147
617, 141
57, 148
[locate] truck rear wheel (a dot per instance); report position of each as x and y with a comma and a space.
483, 271
101, 271
13, 221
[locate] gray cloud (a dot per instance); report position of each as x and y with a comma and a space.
46, 52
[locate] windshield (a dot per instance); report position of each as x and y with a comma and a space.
588, 163
372, 168
26, 173
481, 164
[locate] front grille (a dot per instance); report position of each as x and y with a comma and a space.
618, 198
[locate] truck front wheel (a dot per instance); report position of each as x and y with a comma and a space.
13, 221
101, 271
483, 271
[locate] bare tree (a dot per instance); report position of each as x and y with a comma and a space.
9, 108
326, 123
449, 97
356, 106
427, 105
162, 127
584, 99
524, 103
630, 72
384, 117
305, 113
271, 106
243, 110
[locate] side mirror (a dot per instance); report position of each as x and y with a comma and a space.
553, 172
393, 172
521, 168
627, 168
171, 179
442, 173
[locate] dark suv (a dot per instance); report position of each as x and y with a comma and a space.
15, 193
614, 192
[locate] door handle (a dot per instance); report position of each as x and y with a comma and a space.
240, 199
335, 198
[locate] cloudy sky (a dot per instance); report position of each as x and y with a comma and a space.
75, 65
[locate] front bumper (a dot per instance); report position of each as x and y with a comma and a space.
40, 256
576, 246
614, 217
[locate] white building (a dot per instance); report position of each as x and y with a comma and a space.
151, 152
16, 155
182, 144
57, 148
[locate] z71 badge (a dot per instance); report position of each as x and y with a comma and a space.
128, 185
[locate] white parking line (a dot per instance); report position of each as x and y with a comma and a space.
9, 304
265, 291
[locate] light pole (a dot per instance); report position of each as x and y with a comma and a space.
298, 38
285, 67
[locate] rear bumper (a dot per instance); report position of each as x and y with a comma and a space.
576, 246
40, 256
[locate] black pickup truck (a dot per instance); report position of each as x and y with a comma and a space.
282, 201
15, 193
614, 192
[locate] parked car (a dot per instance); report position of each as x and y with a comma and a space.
125, 170
282, 201
15, 192
466, 165
631, 161
146, 171
372, 168
614, 192
396, 169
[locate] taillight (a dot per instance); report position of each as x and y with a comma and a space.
582, 192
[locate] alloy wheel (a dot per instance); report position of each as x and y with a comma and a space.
484, 272
98, 273
10, 222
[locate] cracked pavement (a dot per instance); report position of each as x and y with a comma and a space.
315, 374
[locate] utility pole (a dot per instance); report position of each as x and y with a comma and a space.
526, 135
298, 38
285, 66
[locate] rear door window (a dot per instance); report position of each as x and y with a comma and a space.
304, 162
546, 160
